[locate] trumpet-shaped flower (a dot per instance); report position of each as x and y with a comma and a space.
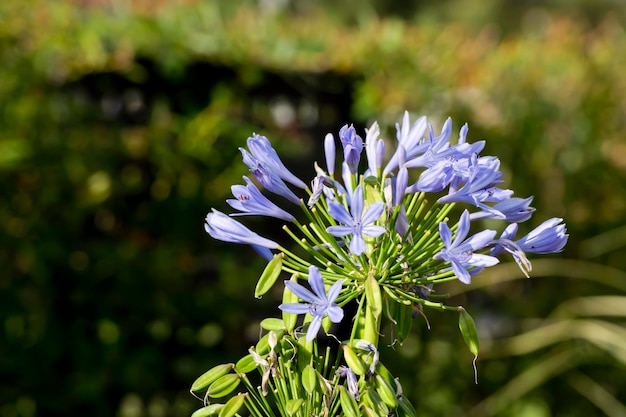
268, 177
317, 303
223, 227
250, 201
460, 251
262, 150
357, 222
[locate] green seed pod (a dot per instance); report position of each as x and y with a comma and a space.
233, 406
245, 364
223, 386
373, 400
309, 379
211, 376
269, 276
209, 410
468, 330
406, 408
349, 405
272, 324
386, 392
353, 361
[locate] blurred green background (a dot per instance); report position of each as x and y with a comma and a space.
119, 128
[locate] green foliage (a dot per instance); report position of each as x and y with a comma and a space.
119, 129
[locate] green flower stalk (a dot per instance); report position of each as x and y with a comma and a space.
380, 236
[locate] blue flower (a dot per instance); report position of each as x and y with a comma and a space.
374, 149
268, 177
512, 210
262, 150
317, 303
352, 147
549, 237
223, 227
330, 151
460, 251
250, 201
410, 137
356, 222
353, 384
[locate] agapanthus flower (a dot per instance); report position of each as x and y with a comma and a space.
250, 201
268, 178
223, 227
515, 210
353, 385
352, 147
461, 252
356, 223
410, 137
317, 303
549, 237
262, 150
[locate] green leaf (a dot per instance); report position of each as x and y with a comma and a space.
270, 275
209, 410
223, 386
309, 379
468, 330
233, 405
210, 376
273, 324
348, 404
246, 364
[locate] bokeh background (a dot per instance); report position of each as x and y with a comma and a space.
119, 128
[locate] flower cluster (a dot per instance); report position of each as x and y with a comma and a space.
373, 228
391, 219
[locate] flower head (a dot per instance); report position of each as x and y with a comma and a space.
317, 303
